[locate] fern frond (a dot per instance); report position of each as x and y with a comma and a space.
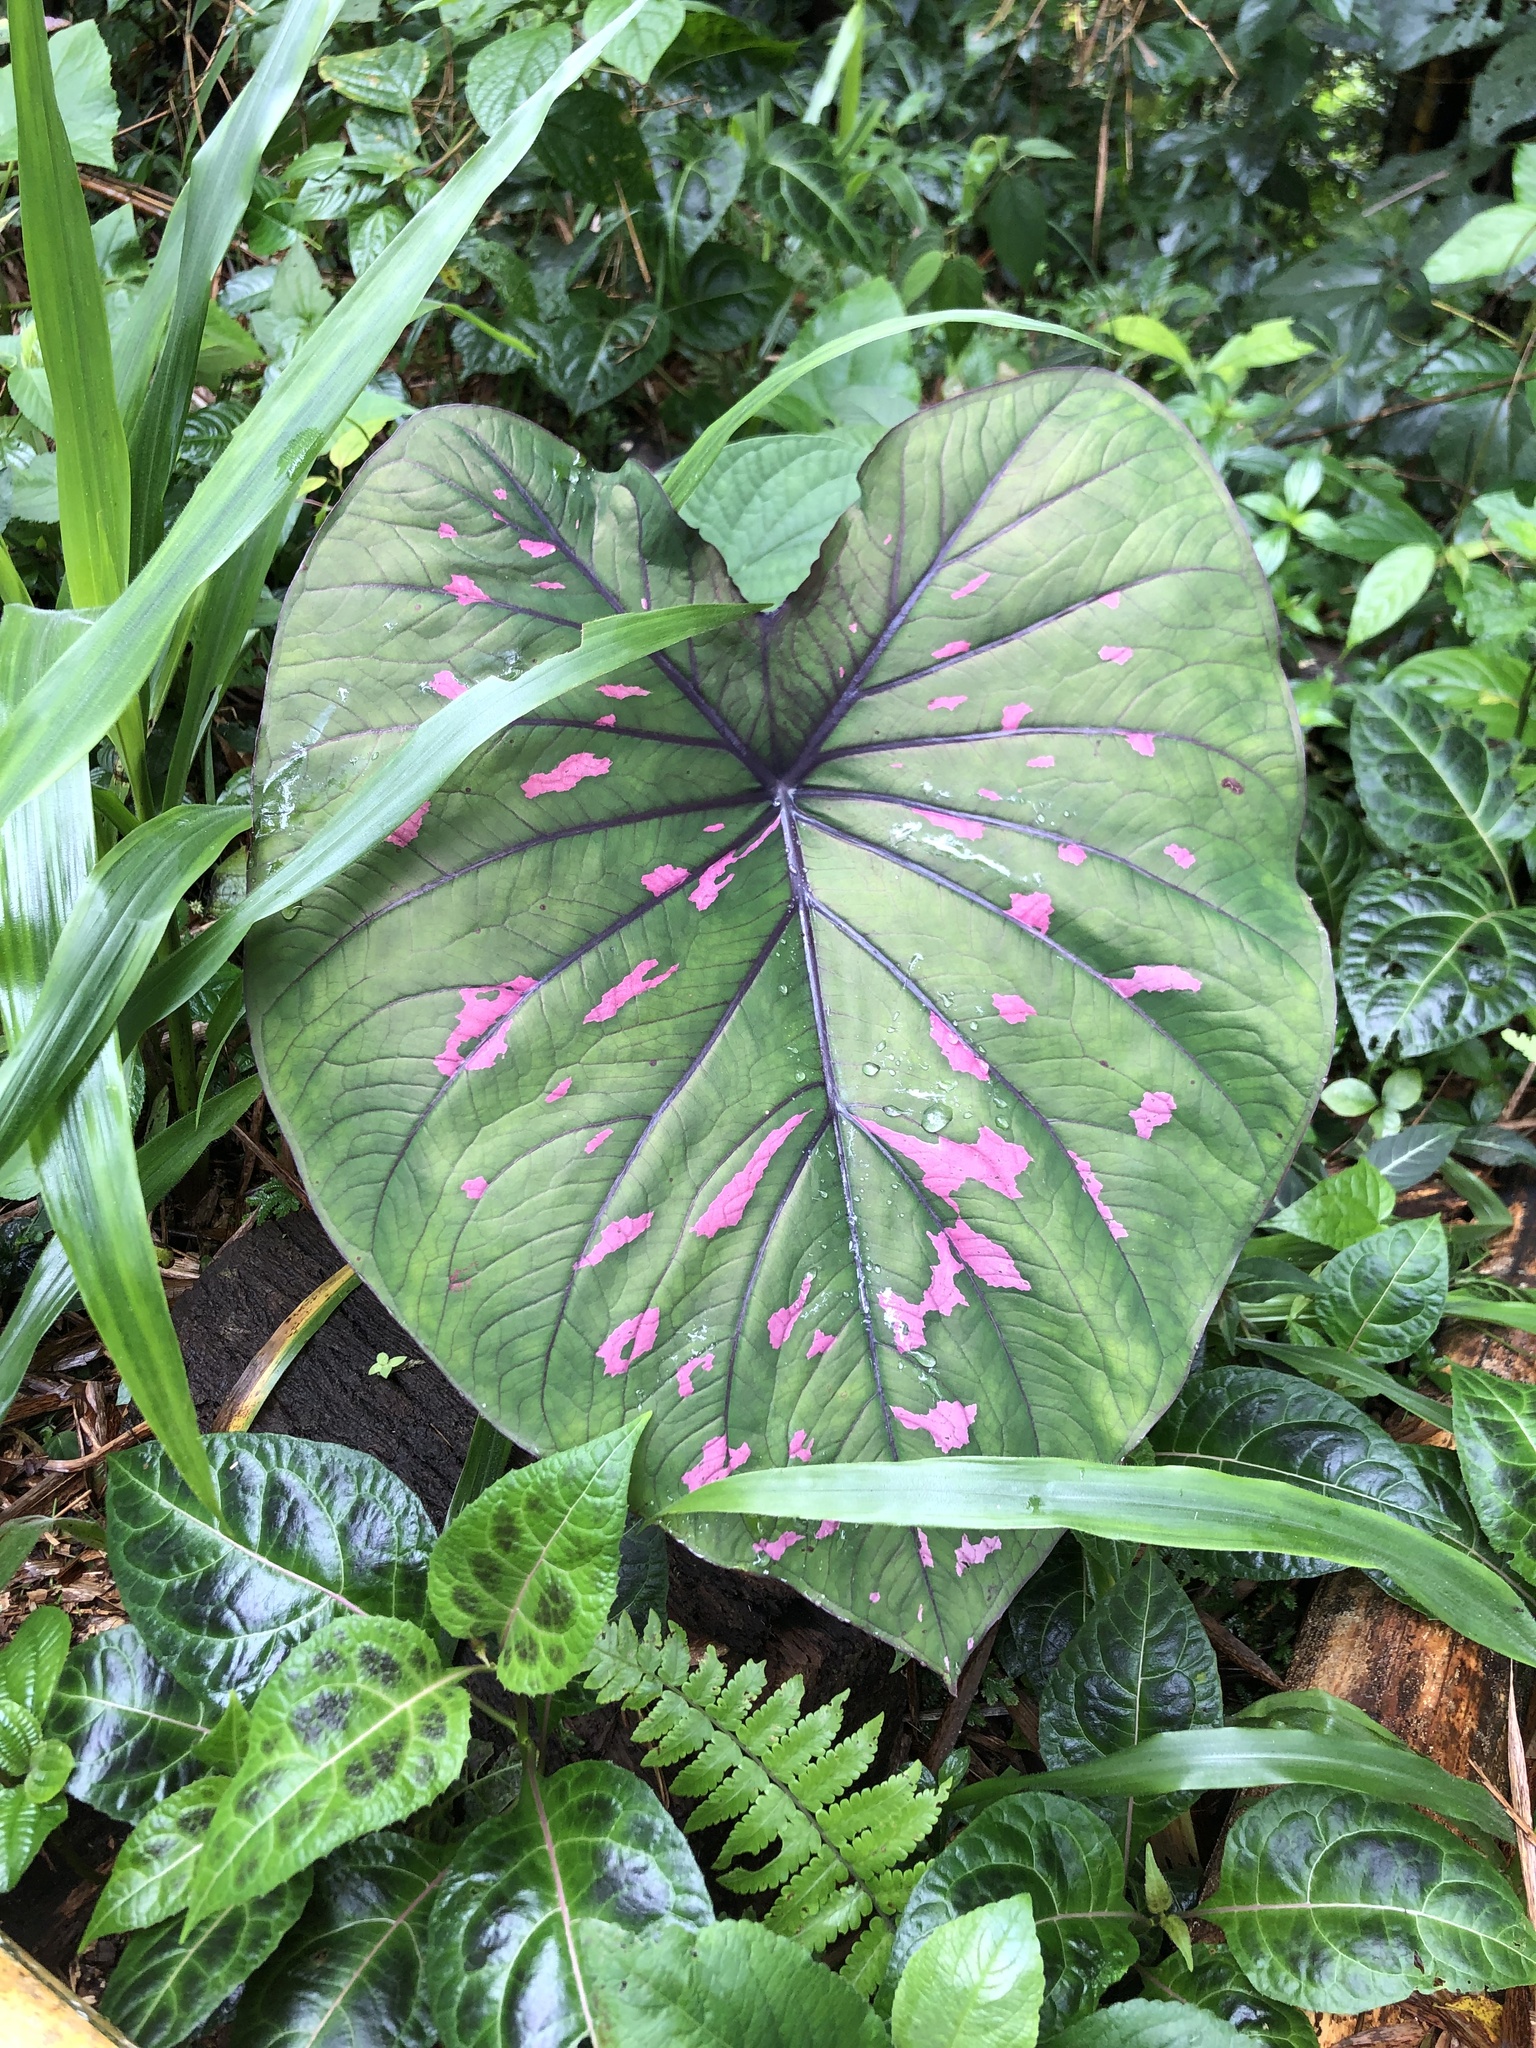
837, 1858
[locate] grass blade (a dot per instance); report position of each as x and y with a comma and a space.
409, 776
1364, 1382
1171, 1504
94, 681
71, 317
105, 947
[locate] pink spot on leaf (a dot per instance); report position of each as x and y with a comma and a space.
464, 590
992, 796
601, 1138
949, 649
989, 1261
499, 493
1032, 911
783, 1320
1157, 981
404, 833
947, 1422
954, 1048
1073, 854
827, 1529
634, 984
1095, 1187
573, 769
447, 532
1143, 743
940, 1297
623, 1230
717, 827
666, 877
963, 828
608, 718
1014, 716
970, 589
1111, 600
975, 1553
728, 1207
718, 1460
924, 1553
705, 1362
946, 703
560, 1088
718, 876
1179, 855
446, 684
474, 1187
1155, 1110
801, 1447
776, 1546
548, 586
1118, 655
537, 548
621, 690
874, 1599
479, 1009
1013, 1009
820, 1342
631, 1340
947, 1164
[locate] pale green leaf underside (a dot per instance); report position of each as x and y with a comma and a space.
772, 1195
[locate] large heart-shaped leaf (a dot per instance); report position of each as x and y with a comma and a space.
869, 1032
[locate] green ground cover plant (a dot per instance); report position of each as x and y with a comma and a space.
931, 581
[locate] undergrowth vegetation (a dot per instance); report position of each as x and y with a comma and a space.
640, 644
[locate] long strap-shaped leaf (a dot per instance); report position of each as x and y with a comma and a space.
1364, 1382
1235, 1759
83, 1146
163, 1161
71, 317
90, 685
693, 466
106, 945
1174, 1504
409, 776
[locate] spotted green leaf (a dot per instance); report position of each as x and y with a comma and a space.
306, 1532
133, 1727
533, 1564
865, 1032
1063, 1858
590, 1843
1495, 1427
152, 1876
360, 1727
1340, 1902
163, 1986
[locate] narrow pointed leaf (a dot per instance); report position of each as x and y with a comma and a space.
164, 1986
153, 1872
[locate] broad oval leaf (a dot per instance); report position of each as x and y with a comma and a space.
770, 502
1140, 1664
504, 73
307, 1532
152, 1874
1433, 786
1339, 1902
1432, 959
133, 1727
360, 1727
351, 1973
773, 1037
694, 1987
1068, 1863
162, 1987
1216, 1985
1342, 1209
534, 1562
592, 1842
975, 1982
1381, 1298
1389, 589
1144, 2023
1495, 1428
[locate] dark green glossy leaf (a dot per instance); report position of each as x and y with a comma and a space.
1339, 1903
1140, 1664
1143, 2023
694, 1987
153, 1874
1337, 1370
1415, 1154
1046, 1614
306, 1532
514, 1241
593, 149
25, 1824
1433, 786
1064, 1857
360, 1727
1017, 225
533, 1564
32, 1660
592, 1842
162, 1987
1433, 959
1218, 1986
1380, 1299
351, 1973
601, 349
726, 298
1259, 1424
1495, 1428
132, 1725
1332, 852
977, 1981
798, 186
698, 173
